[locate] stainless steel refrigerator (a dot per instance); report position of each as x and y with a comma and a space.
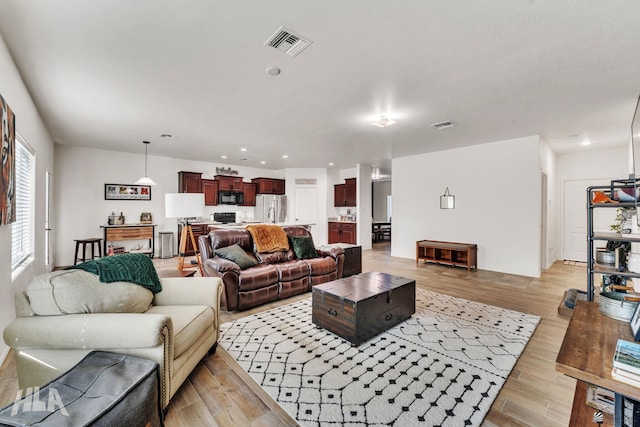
270, 208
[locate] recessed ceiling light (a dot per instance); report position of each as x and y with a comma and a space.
263, 162
585, 142
383, 122
273, 71
284, 156
331, 164
243, 149
223, 157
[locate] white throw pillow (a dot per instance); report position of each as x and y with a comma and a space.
78, 291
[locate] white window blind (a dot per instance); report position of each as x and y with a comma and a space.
22, 228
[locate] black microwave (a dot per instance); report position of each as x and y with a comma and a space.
226, 197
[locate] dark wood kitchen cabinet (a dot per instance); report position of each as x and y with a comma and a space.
334, 232
345, 194
231, 183
210, 190
269, 185
249, 191
342, 232
338, 195
189, 182
350, 192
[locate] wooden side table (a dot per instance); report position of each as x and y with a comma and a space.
452, 253
586, 354
352, 258
130, 232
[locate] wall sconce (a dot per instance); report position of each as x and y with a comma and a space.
447, 201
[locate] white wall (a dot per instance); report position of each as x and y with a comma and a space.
497, 189
32, 129
380, 189
363, 210
80, 206
588, 165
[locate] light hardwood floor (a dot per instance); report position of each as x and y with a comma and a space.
219, 393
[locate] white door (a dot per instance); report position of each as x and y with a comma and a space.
306, 205
575, 218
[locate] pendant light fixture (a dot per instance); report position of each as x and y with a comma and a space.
145, 180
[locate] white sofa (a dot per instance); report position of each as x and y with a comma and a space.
177, 330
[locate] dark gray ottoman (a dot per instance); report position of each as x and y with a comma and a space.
103, 389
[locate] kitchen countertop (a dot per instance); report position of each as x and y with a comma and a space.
200, 222
243, 225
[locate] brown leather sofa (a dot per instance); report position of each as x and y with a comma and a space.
276, 276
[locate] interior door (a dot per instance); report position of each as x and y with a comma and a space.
575, 218
306, 205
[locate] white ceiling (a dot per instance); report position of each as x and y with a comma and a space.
112, 73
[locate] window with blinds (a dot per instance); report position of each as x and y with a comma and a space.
22, 229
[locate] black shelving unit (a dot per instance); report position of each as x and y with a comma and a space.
593, 267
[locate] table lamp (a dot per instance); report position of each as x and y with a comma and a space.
185, 206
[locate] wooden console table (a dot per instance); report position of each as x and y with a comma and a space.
586, 354
461, 254
130, 232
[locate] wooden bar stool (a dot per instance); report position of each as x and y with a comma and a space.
84, 242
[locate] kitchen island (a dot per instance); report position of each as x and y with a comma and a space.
237, 225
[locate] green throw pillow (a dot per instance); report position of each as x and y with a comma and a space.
236, 254
303, 247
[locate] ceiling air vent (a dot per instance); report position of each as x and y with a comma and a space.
443, 125
287, 42
306, 181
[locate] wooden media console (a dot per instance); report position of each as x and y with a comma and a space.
451, 253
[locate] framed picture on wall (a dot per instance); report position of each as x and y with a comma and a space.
127, 192
8, 165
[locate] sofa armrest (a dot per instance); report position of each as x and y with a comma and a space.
189, 291
89, 331
334, 251
217, 266
204, 246
229, 273
192, 291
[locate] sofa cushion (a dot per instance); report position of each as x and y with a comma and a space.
292, 270
303, 247
220, 238
189, 323
77, 291
321, 266
236, 254
257, 277
275, 257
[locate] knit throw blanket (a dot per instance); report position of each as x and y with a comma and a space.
268, 237
135, 268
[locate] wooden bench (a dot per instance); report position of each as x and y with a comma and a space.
451, 253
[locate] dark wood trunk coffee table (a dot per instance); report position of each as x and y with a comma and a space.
360, 307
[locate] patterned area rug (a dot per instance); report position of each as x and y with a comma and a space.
443, 367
